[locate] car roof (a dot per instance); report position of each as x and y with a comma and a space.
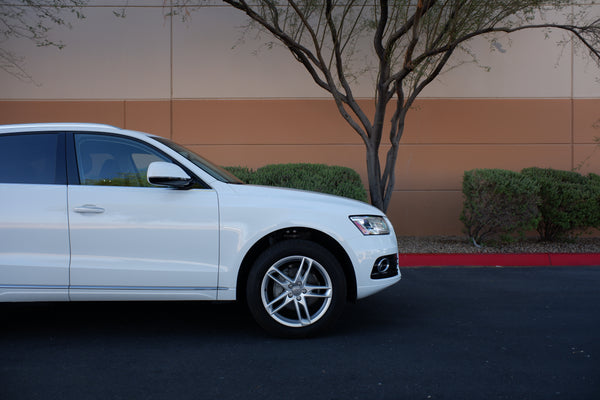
75, 127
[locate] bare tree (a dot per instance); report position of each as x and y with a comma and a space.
32, 20
411, 43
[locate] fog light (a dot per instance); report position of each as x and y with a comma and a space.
385, 267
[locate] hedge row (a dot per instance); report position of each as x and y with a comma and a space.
504, 205
336, 180
499, 204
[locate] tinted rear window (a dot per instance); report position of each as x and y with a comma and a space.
33, 159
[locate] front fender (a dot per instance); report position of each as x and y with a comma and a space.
249, 214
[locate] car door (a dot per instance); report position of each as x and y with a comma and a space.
132, 240
34, 240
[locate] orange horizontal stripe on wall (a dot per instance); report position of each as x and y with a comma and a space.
443, 138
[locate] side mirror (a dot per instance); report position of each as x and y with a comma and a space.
167, 174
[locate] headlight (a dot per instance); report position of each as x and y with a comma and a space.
370, 225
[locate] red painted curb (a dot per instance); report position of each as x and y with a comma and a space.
575, 259
499, 259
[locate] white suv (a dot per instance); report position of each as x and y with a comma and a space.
92, 212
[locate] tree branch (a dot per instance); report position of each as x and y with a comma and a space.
394, 37
301, 53
351, 102
576, 30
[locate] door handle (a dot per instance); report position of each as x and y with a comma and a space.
89, 209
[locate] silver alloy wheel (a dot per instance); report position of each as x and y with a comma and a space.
296, 291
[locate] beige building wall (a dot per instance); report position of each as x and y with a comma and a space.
238, 103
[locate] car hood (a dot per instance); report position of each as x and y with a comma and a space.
300, 199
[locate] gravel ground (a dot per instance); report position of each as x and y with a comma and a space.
461, 244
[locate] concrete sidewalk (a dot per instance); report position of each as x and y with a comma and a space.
499, 259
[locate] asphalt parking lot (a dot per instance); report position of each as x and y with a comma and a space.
441, 333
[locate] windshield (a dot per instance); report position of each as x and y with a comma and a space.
208, 167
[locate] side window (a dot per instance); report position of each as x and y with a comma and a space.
36, 158
113, 161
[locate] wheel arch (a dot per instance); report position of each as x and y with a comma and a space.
309, 234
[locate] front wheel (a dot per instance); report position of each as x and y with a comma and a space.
296, 288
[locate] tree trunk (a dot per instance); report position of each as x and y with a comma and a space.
374, 176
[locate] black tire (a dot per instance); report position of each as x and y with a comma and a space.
296, 288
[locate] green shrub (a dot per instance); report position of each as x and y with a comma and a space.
498, 204
244, 174
570, 202
594, 179
336, 180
